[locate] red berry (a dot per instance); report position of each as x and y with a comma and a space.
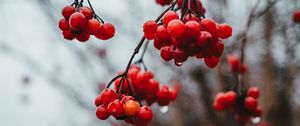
257, 112
77, 21
234, 63
163, 95
217, 48
131, 108
172, 94
102, 112
152, 87
192, 28
83, 37
250, 103
158, 44
209, 25
93, 26
169, 16
165, 53
253, 92
145, 113
203, 38
150, 28
162, 34
67, 11
98, 101
225, 31
87, 12
107, 31
63, 24
126, 98
107, 96
176, 28
68, 35
211, 62
296, 16
230, 97
164, 2
219, 103
179, 55
116, 108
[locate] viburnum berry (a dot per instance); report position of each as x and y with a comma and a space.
67, 11
116, 108
107, 31
253, 92
63, 25
87, 12
77, 21
83, 37
209, 25
131, 107
93, 26
296, 16
107, 96
203, 38
235, 65
164, 2
217, 47
165, 53
162, 34
145, 113
102, 112
211, 62
230, 97
192, 28
225, 31
68, 35
169, 16
250, 103
176, 28
150, 28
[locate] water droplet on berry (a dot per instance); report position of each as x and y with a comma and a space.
164, 109
255, 120
178, 63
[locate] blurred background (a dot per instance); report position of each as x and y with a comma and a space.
48, 81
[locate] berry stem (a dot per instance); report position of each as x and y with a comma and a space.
94, 13
196, 5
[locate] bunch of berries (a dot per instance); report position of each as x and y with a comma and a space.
122, 107
296, 16
235, 65
192, 36
146, 87
80, 22
244, 105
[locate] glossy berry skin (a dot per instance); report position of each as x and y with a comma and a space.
149, 29
165, 53
176, 28
250, 103
230, 97
107, 96
162, 34
179, 55
217, 47
211, 62
172, 94
203, 38
145, 113
87, 12
209, 25
107, 31
169, 16
68, 35
192, 29
225, 31
116, 108
131, 107
98, 101
163, 95
296, 16
93, 26
67, 11
102, 112
253, 92
77, 21
63, 24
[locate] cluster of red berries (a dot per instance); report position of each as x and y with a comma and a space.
122, 107
147, 88
244, 105
235, 65
178, 39
81, 22
296, 16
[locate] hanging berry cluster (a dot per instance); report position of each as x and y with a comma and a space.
146, 87
244, 104
124, 103
122, 107
188, 35
81, 21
